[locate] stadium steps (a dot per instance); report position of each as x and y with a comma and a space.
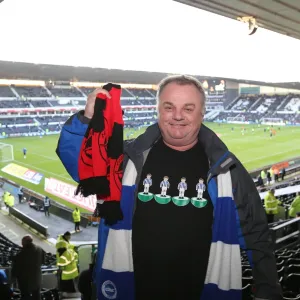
15, 231
230, 105
80, 91
50, 105
49, 93
256, 104
130, 93
253, 105
150, 93
284, 102
211, 115
15, 92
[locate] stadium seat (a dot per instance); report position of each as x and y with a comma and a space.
292, 282
247, 292
247, 273
280, 272
247, 280
8, 250
293, 261
293, 269
291, 296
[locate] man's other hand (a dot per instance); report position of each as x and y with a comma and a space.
90, 103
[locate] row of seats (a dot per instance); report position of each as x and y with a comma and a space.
41, 92
9, 249
52, 294
288, 270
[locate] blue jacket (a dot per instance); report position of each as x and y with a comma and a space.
246, 225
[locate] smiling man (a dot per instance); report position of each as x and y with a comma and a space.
171, 247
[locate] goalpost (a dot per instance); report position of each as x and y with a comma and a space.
6, 152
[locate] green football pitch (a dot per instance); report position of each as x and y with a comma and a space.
255, 149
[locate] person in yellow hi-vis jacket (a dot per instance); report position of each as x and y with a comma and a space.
4, 197
76, 219
9, 200
67, 261
271, 205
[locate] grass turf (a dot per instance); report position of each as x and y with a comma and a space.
255, 149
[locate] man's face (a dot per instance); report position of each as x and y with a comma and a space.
201, 181
180, 114
148, 176
182, 179
166, 178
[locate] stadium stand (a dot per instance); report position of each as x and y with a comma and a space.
261, 108
49, 106
31, 92
139, 106
5, 91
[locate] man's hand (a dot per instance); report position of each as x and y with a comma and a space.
90, 103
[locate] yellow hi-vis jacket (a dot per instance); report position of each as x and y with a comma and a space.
5, 195
295, 207
76, 215
10, 200
271, 204
62, 243
67, 262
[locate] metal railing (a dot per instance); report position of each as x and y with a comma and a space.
289, 238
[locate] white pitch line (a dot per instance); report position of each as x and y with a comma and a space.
44, 171
270, 155
44, 156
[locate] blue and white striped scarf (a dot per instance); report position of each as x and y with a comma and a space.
115, 277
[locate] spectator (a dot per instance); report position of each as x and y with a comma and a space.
283, 172
269, 177
260, 182
5, 290
85, 281
175, 251
276, 175
26, 269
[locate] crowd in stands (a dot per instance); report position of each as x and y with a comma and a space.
254, 109
139, 107
52, 98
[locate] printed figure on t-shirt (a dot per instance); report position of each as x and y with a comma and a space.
182, 187
164, 185
200, 188
147, 183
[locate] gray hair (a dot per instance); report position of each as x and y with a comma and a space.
182, 80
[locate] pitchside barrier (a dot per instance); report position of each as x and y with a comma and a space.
291, 166
33, 224
55, 209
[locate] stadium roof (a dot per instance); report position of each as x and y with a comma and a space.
282, 16
20, 70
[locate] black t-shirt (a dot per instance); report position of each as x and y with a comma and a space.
171, 235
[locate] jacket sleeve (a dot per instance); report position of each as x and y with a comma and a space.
69, 143
254, 235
